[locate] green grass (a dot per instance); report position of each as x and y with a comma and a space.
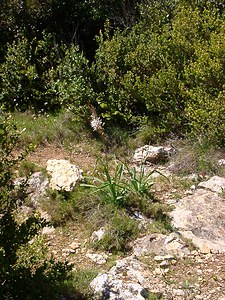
121, 230
109, 184
59, 128
77, 287
197, 158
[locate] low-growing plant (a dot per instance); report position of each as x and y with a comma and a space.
26, 276
122, 229
139, 182
110, 186
118, 185
154, 296
27, 168
79, 281
60, 128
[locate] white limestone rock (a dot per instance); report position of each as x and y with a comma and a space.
161, 245
99, 259
152, 154
64, 175
214, 184
124, 281
201, 218
98, 234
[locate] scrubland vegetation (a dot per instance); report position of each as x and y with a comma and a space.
120, 74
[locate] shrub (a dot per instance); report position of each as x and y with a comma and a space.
110, 186
121, 231
34, 276
24, 74
70, 82
167, 71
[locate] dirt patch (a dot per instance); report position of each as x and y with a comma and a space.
78, 156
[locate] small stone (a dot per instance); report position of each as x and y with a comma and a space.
193, 188
208, 256
174, 245
221, 162
164, 264
204, 249
74, 245
68, 251
159, 258
99, 259
98, 234
166, 270
157, 271
48, 230
178, 292
170, 238
199, 297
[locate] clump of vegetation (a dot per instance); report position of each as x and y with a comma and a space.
25, 271
121, 230
196, 158
163, 76
120, 183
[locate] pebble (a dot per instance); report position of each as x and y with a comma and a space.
74, 245
164, 264
48, 230
178, 292
198, 297
163, 257
157, 271
68, 251
99, 259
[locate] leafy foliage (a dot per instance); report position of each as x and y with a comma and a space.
24, 74
139, 182
121, 231
168, 70
111, 186
36, 275
70, 82
162, 69
120, 184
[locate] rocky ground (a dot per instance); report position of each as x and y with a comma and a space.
188, 263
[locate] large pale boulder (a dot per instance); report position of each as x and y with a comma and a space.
64, 175
214, 184
160, 244
37, 185
127, 280
201, 218
152, 154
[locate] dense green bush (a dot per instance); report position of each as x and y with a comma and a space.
24, 74
70, 82
167, 71
25, 270
164, 74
